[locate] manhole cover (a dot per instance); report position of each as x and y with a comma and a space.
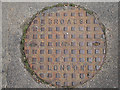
65, 45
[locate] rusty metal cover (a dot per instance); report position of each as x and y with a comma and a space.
65, 45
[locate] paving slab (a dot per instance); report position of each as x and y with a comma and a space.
14, 75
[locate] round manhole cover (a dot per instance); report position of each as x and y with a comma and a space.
65, 45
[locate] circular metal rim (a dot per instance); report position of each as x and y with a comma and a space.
34, 75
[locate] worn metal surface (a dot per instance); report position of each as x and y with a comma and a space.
65, 46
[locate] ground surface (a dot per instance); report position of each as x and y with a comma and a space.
15, 14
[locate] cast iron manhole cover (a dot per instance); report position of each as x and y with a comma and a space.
65, 45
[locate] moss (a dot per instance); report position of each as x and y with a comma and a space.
59, 5
96, 44
25, 61
41, 80
23, 39
29, 69
66, 3
72, 5
46, 8
103, 28
24, 33
89, 11
33, 17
